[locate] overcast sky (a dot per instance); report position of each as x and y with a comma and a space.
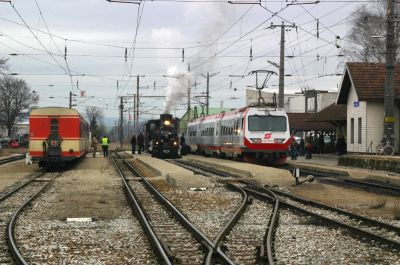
216, 36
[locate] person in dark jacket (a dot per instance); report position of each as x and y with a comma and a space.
294, 148
133, 144
140, 142
182, 139
321, 144
301, 146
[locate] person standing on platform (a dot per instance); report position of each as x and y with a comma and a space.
133, 144
182, 139
140, 142
309, 149
104, 145
301, 146
95, 143
321, 144
294, 148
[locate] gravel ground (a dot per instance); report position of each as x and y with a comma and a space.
8, 207
90, 189
15, 172
247, 235
342, 218
208, 210
355, 200
298, 241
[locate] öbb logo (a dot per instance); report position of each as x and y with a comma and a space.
267, 135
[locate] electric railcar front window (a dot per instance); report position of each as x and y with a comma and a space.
267, 123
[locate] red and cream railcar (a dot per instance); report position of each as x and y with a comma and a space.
57, 135
251, 133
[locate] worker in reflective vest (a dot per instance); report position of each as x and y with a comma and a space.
104, 145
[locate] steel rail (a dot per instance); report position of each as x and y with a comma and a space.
182, 218
19, 259
231, 223
8, 194
142, 217
268, 239
338, 210
375, 185
273, 222
368, 186
11, 159
313, 203
355, 230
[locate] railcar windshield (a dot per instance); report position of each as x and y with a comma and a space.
267, 123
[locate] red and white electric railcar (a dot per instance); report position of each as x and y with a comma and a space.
250, 133
57, 135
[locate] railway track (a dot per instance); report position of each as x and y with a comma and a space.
176, 239
12, 204
341, 180
11, 159
365, 185
249, 237
386, 235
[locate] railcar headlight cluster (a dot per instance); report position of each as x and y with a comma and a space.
256, 140
279, 140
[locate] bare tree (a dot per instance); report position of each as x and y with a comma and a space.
16, 99
366, 42
3, 64
95, 116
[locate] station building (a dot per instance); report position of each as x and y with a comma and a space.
362, 92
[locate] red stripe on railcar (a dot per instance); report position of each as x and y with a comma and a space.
267, 147
63, 154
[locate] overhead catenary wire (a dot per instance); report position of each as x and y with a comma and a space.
222, 55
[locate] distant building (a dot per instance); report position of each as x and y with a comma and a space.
20, 129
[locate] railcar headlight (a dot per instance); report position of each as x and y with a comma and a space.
175, 143
256, 140
279, 140
157, 142
167, 123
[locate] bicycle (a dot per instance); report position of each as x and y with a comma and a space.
385, 148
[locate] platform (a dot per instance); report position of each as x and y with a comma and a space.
174, 175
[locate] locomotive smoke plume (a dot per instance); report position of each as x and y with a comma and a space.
177, 89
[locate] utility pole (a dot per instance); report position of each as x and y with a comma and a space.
281, 95
137, 102
121, 122
208, 87
208, 93
188, 103
388, 132
70, 99
134, 113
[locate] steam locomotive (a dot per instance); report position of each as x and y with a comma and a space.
161, 137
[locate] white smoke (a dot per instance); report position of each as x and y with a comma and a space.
220, 18
177, 89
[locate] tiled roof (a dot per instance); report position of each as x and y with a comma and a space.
298, 122
331, 113
368, 80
